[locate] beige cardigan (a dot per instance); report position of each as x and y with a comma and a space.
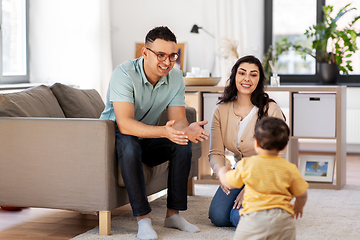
224, 134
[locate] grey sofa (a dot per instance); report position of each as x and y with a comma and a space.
56, 153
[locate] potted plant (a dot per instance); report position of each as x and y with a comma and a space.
271, 57
333, 46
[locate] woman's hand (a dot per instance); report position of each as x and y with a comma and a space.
225, 189
224, 184
239, 199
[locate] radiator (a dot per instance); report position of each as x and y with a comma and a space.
352, 126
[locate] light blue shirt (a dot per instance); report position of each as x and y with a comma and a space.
128, 83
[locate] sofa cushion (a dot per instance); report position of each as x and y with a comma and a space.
37, 101
78, 103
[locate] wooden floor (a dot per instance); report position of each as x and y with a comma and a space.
59, 224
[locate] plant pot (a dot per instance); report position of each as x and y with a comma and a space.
329, 73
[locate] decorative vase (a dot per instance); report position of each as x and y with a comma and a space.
329, 73
275, 80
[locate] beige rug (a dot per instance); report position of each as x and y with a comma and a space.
328, 214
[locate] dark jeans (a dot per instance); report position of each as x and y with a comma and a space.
221, 212
132, 151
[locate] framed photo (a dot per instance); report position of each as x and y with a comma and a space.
180, 48
317, 168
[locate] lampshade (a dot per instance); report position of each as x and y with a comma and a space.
195, 29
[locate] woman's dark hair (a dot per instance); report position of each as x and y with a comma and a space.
272, 133
161, 32
259, 97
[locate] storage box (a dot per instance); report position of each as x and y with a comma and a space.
314, 115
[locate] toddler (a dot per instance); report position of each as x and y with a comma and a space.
271, 182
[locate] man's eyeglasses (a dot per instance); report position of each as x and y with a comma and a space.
162, 56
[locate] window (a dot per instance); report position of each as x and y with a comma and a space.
303, 14
290, 19
14, 49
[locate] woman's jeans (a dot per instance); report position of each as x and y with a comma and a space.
132, 152
221, 211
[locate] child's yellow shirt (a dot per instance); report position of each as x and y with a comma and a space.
270, 182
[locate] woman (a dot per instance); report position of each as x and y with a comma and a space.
241, 105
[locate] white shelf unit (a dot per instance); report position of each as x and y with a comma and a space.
339, 182
335, 128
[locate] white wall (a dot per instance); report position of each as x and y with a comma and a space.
131, 20
240, 20
70, 42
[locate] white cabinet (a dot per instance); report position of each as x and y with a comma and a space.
314, 114
210, 100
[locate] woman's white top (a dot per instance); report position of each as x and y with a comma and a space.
245, 121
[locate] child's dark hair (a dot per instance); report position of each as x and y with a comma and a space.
272, 133
161, 32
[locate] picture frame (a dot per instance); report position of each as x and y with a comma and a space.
317, 168
180, 49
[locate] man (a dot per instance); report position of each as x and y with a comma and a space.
139, 91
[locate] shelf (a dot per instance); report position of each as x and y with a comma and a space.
208, 179
204, 174
327, 138
318, 185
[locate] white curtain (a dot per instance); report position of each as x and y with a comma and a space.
70, 43
238, 22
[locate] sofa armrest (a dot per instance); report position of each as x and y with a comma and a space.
190, 116
58, 163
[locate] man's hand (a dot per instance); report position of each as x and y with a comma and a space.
196, 133
174, 135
